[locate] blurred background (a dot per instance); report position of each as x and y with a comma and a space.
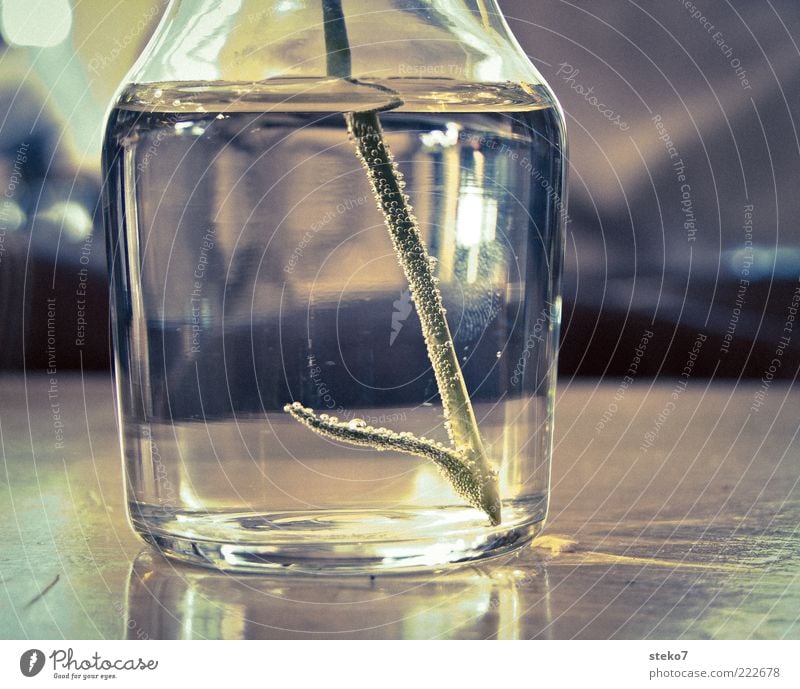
683, 201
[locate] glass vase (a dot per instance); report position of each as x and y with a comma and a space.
335, 236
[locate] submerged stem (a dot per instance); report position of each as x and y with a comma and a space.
449, 460
466, 464
387, 184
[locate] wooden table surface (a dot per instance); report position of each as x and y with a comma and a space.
696, 537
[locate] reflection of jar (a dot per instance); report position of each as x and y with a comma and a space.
252, 270
167, 602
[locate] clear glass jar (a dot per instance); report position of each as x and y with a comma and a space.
253, 268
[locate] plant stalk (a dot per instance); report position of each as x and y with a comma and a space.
467, 465
387, 185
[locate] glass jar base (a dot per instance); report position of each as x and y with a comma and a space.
336, 542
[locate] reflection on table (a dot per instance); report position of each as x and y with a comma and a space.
694, 538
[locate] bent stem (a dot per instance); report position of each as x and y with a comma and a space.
466, 464
387, 184
450, 461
